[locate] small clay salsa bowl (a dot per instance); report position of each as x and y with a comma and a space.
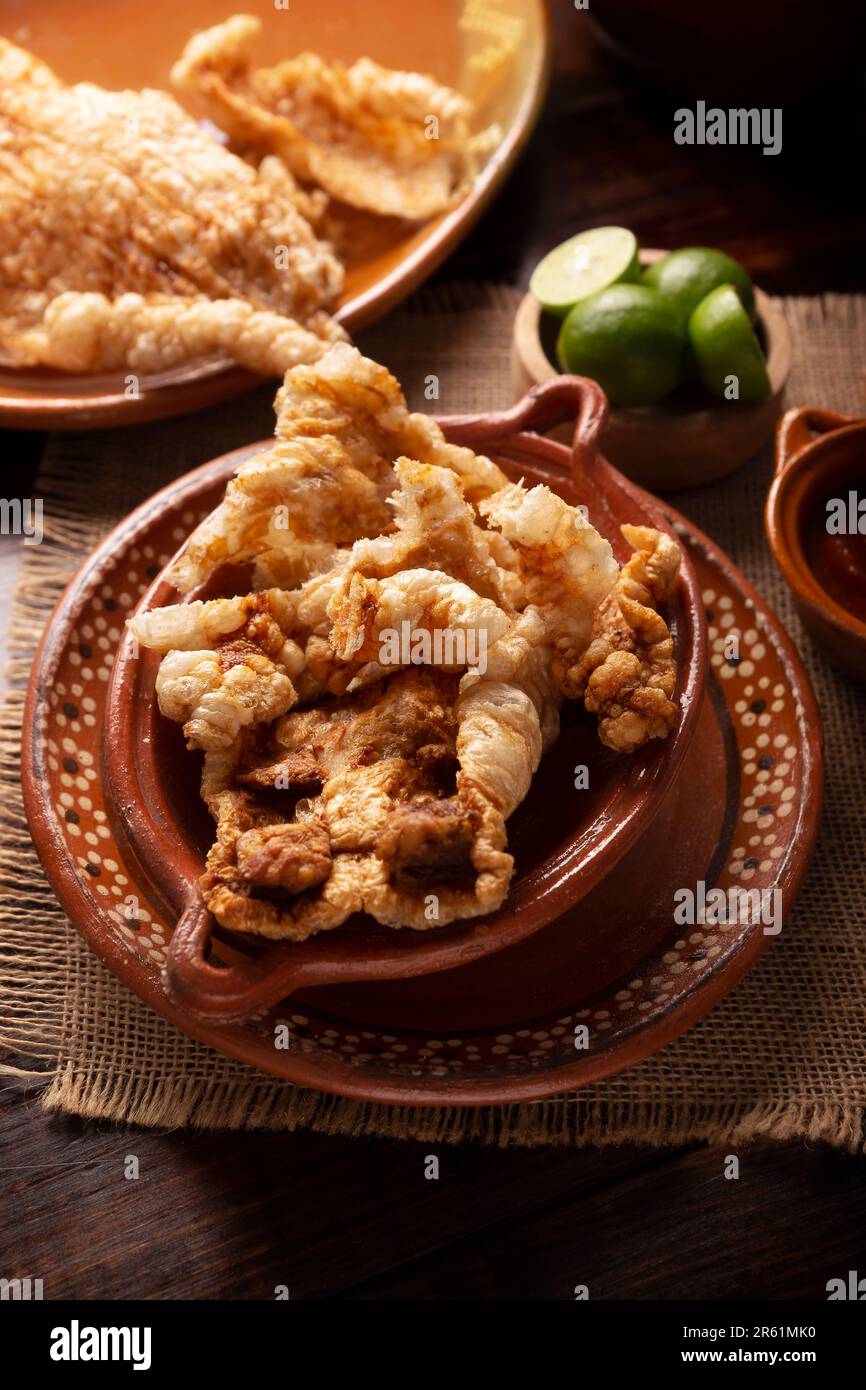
683, 441
565, 840
816, 526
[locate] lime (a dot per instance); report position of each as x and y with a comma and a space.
629, 338
729, 357
687, 276
582, 265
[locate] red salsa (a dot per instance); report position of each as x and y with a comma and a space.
837, 556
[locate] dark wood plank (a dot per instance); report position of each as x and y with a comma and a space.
231, 1216
794, 1218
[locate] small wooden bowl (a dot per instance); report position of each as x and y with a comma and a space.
681, 442
819, 455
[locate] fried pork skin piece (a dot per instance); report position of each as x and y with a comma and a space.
376, 791
228, 665
566, 567
265, 617
400, 792
365, 610
122, 200
627, 674
341, 425
396, 143
523, 658
436, 529
87, 332
362, 404
216, 693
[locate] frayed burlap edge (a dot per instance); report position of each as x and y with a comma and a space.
562, 1121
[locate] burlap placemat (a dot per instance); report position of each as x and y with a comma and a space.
783, 1056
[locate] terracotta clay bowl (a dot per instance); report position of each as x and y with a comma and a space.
497, 55
821, 456
565, 841
683, 441
743, 810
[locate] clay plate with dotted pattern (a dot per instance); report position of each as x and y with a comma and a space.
743, 809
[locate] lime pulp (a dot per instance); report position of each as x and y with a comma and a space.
583, 265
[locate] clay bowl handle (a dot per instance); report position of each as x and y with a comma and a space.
549, 404
213, 992
797, 427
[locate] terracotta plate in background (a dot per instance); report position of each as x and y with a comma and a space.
495, 52
744, 810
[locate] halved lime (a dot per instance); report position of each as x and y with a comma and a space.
583, 265
728, 354
629, 338
689, 275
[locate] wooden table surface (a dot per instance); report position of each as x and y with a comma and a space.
229, 1216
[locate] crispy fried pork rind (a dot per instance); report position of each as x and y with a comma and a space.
368, 615
86, 332
263, 617
627, 674
130, 237
392, 802
435, 528
566, 567
396, 143
228, 664
215, 694
341, 425
350, 766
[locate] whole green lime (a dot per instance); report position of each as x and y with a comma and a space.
629, 338
686, 277
729, 357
